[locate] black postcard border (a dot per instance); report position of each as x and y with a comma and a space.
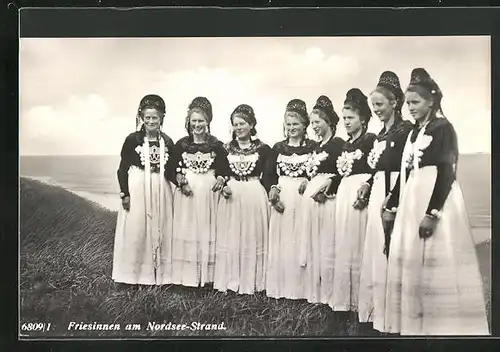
116, 22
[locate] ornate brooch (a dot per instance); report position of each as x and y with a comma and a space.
346, 161
416, 151
292, 165
376, 152
154, 155
315, 162
198, 163
242, 165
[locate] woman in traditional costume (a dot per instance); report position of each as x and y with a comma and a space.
317, 219
144, 224
287, 174
351, 214
433, 281
243, 211
198, 157
385, 162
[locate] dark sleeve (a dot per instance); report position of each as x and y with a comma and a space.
221, 163
125, 162
171, 163
176, 162
370, 184
366, 149
393, 201
370, 143
269, 175
335, 152
334, 186
447, 155
370, 180
400, 140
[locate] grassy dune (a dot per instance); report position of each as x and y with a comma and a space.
66, 261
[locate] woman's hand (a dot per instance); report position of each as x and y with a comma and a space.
126, 203
226, 192
388, 218
323, 188
386, 249
360, 203
279, 206
274, 195
186, 190
364, 191
181, 180
219, 184
183, 185
362, 197
303, 186
384, 204
320, 196
427, 226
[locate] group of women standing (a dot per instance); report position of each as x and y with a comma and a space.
374, 225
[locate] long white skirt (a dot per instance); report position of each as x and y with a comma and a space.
433, 286
317, 242
350, 229
242, 238
373, 276
193, 247
285, 276
133, 256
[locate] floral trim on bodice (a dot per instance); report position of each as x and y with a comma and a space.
377, 150
293, 165
198, 162
346, 161
315, 162
413, 152
241, 164
154, 156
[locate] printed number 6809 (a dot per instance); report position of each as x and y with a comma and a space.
35, 326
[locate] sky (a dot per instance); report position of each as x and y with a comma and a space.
79, 96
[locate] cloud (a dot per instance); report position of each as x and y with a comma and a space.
312, 68
314, 55
81, 95
81, 126
267, 89
224, 88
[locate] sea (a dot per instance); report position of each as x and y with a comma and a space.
94, 177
